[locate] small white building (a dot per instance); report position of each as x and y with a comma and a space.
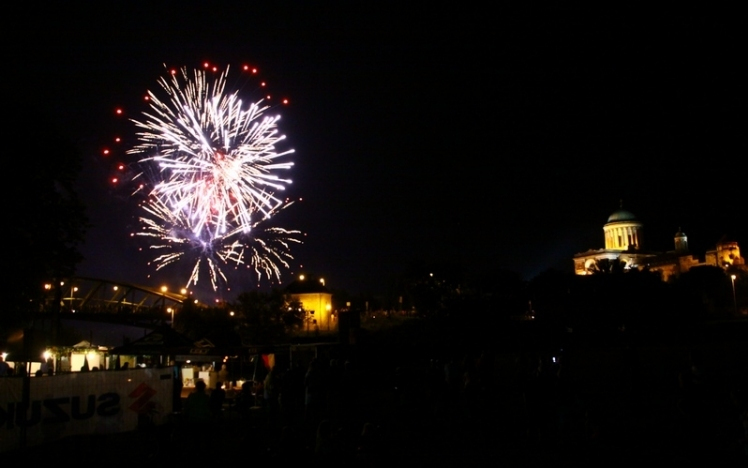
316, 300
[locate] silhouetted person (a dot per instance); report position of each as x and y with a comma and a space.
292, 393
223, 374
270, 394
244, 400
314, 393
4, 367
368, 446
176, 388
197, 406
46, 367
217, 398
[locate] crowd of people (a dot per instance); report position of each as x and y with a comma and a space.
476, 406
467, 407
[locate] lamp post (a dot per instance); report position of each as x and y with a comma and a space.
171, 311
73, 290
734, 299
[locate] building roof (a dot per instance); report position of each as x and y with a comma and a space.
307, 286
621, 215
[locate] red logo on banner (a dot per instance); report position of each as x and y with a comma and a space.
142, 394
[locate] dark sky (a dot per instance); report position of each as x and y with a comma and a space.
492, 137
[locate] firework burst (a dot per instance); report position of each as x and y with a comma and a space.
208, 169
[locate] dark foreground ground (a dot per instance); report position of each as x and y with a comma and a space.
406, 400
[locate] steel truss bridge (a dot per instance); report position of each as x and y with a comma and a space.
99, 296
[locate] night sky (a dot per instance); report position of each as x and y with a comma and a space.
489, 137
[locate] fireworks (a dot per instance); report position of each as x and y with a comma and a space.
208, 167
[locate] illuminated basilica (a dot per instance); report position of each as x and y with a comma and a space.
623, 243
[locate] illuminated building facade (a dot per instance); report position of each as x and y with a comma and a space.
316, 300
623, 243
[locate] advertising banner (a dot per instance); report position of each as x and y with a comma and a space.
82, 403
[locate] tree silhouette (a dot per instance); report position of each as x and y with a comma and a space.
607, 266
46, 218
267, 318
707, 291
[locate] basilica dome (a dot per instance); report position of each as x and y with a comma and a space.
621, 215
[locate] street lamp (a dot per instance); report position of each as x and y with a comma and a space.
73, 290
734, 300
171, 311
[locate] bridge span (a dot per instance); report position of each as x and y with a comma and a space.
100, 296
